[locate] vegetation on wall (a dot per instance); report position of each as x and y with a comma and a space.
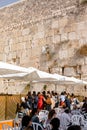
45, 87
27, 88
83, 50
83, 1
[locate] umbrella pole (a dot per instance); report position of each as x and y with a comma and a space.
30, 85
55, 87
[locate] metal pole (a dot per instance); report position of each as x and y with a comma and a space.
55, 87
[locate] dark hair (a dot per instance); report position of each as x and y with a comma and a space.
51, 113
55, 122
34, 93
34, 110
25, 120
67, 110
29, 128
74, 127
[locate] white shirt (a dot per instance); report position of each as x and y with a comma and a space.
64, 121
62, 98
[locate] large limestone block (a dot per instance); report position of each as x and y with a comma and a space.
81, 25
84, 77
56, 39
25, 38
72, 36
69, 71
84, 69
14, 47
57, 70
25, 31
23, 56
20, 39
63, 22
49, 40
84, 32
64, 37
9, 57
24, 61
63, 54
71, 27
1, 48
21, 46
71, 52
50, 32
38, 35
78, 35
55, 24
82, 41
40, 27
42, 42
1, 57
7, 49
85, 60
41, 34
36, 52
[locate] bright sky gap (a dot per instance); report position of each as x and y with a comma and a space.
4, 3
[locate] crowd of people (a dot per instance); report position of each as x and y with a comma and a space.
32, 104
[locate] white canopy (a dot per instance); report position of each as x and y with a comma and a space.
69, 80
6, 68
35, 75
32, 74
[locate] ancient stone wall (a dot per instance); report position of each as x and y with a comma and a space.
50, 35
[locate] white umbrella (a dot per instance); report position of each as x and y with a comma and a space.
32, 74
6, 68
35, 75
40, 76
78, 81
69, 80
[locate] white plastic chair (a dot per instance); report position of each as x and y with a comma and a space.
59, 111
84, 127
6, 127
43, 114
48, 127
37, 126
16, 128
77, 120
85, 116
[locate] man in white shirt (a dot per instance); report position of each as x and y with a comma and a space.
65, 120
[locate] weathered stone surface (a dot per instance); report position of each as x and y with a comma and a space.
63, 22
64, 37
58, 26
84, 69
56, 39
25, 31
72, 36
85, 60
55, 24
63, 54
69, 71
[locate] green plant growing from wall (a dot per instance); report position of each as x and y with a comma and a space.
26, 89
83, 1
45, 87
28, 86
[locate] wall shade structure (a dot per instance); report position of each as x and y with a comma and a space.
34, 75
